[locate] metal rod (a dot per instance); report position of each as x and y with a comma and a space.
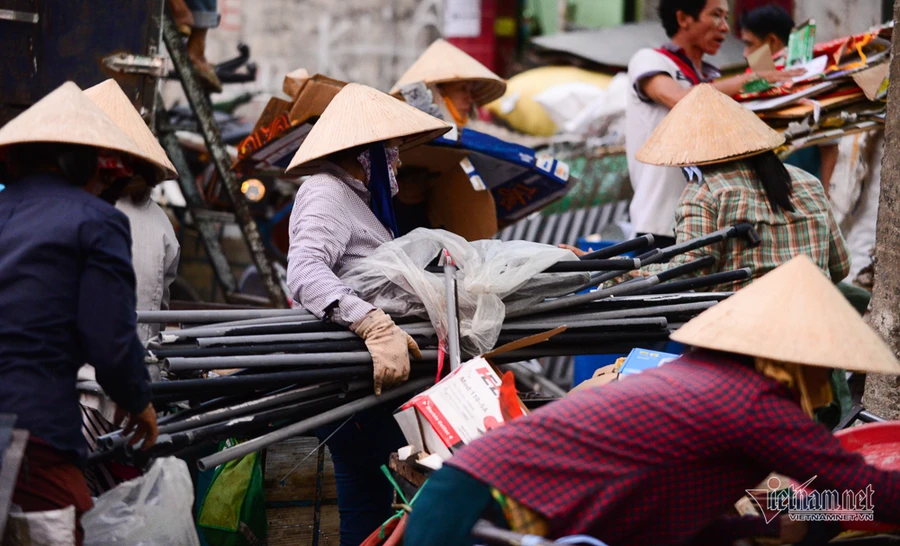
221, 328
702, 282
306, 425
236, 350
262, 361
523, 373
255, 381
202, 108
615, 317
275, 338
574, 321
579, 299
452, 323
620, 248
217, 315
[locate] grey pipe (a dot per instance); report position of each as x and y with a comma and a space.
222, 328
523, 373
452, 323
216, 315
615, 317
295, 360
116, 438
579, 299
274, 338
306, 425
574, 321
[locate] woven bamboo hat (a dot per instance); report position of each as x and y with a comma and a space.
443, 62
67, 116
706, 127
792, 314
360, 115
112, 100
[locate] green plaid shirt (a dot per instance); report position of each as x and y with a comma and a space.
730, 195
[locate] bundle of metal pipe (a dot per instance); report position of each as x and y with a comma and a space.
290, 372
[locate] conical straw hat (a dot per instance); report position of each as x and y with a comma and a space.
443, 62
360, 115
705, 127
112, 100
66, 116
792, 314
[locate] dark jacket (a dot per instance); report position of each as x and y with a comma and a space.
67, 297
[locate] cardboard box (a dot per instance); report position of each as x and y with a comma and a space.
461, 407
643, 359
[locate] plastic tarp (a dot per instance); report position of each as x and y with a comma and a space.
491, 275
152, 510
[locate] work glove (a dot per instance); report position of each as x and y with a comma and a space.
389, 346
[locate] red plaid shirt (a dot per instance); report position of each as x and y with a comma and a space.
656, 458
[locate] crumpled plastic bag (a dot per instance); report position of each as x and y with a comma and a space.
152, 510
47, 528
490, 274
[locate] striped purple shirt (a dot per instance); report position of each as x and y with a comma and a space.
331, 226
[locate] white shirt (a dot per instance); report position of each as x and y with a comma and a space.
155, 253
656, 189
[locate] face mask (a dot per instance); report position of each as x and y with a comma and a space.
391, 154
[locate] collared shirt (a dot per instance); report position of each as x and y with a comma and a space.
731, 194
67, 296
155, 252
657, 457
331, 226
656, 189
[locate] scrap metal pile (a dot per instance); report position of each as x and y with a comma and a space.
266, 374
842, 92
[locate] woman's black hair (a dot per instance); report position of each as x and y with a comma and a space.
74, 162
774, 178
668, 12
769, 19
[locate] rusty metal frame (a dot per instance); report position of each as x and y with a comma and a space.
202, 108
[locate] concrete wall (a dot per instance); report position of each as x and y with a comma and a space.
836, 18
367, 41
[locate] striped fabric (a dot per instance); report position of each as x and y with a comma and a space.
98, 476
730, 195
331, 226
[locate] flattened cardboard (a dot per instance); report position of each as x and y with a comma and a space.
294, 82
314, 96
453, 204
274, 108
761, 60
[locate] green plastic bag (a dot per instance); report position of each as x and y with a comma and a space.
233, 512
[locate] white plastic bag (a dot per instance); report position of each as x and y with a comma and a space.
393, 278
48, 528
152, 510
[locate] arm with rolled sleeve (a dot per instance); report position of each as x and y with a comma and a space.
319, 237
780, 436
106, 313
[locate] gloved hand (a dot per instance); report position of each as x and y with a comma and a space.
389, 346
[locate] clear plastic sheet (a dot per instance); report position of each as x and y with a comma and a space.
489, 272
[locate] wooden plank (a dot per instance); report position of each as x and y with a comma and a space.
290, 506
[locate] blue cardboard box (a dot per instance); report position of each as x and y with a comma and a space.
643, 359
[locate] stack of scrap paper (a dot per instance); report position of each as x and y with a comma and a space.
842, 90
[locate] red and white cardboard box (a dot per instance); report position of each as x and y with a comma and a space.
460, 407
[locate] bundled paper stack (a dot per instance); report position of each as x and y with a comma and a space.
842, 91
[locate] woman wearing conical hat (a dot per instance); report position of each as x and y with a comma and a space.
67, 289
155, 253
459, 83
342, 213
658, 457
435, 192
726, 153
